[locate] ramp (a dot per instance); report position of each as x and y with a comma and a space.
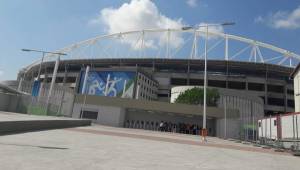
11, 123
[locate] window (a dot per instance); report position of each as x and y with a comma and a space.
276, 101
198, 82
217, 83
71, 80
256, 86
162, 95
290, 91
89, 114
291, 103
59, 79
275, 122
236, 85
275, 88
178, 81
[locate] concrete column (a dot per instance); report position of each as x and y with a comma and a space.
227, 72
285, 97
137, 93
85, 79
65, 75
52, 83
266, 86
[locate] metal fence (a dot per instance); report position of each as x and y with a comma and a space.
60, 103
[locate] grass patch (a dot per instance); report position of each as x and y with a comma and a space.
41, 111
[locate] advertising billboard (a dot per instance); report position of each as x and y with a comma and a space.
109, 83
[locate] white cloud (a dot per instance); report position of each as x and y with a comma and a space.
213, 28
281, 19
192, 3
138, 15
216, 28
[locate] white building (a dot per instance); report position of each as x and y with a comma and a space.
296, 76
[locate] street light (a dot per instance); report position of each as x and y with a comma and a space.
204, 130
43, 56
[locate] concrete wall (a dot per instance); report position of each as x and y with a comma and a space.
4, 101
14, 103
107, 115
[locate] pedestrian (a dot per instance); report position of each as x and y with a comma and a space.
161, 126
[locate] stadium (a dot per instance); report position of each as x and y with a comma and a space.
132, 79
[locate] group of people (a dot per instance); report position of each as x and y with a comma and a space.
185, 128
163, 126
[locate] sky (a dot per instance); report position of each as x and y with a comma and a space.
52, 24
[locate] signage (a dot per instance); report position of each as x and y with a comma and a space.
108, 83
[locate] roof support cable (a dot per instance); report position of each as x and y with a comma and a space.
212, 47
240, 52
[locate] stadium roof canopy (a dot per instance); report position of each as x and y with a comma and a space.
176, 44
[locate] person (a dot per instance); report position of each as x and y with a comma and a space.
92, 89
194, 129
110, 86
157, 127
174, 128
161, 126
180, 128
187, 129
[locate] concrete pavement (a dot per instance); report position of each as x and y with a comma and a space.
100, 147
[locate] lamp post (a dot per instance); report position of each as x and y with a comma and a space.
42, 60
43, 57
206, 26
204, 130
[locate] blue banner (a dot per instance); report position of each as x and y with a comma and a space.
36, 88
108, 83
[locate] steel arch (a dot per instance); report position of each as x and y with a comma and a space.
255, 46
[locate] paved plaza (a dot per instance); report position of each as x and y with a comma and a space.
101, 147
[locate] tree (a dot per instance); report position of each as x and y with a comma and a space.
195, 96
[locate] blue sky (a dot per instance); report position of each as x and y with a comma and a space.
53, 24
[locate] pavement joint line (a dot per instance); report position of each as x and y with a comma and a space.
178, 141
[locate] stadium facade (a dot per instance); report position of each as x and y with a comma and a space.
157, 77
110, 80
251, 90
